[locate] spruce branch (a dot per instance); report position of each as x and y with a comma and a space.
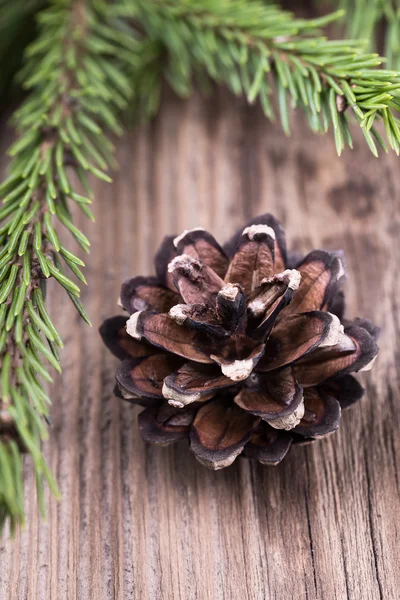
263, 52
75, 73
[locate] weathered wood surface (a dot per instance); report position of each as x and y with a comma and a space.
140, 522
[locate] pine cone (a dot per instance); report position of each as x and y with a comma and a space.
236, 350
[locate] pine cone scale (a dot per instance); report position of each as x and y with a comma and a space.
267, 445
271, 397
158, 427
254, 259
280, 254
164, 255
297, 335
199, 244
346, 389
120, 343
321, 416
356, 350
191, 384
196, 282
144, 377
272, 296
238, 369
320, 273
219, 433
160, 330
146, 293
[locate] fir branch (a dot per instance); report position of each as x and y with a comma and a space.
75, 74
264, 52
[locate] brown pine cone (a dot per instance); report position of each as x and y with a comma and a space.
235, 351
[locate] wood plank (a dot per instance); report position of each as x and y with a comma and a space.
140, 522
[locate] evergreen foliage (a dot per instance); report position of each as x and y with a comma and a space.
76, 86
90, 61
365, 19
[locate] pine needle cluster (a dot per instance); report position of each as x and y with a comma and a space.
90, 62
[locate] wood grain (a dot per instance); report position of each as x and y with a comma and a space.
141, 522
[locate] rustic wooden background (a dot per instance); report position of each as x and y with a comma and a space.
140, 522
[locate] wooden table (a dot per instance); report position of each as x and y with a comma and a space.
147, 523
